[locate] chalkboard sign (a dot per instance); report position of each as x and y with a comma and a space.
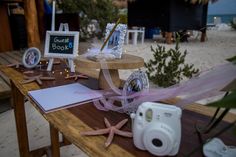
61, 44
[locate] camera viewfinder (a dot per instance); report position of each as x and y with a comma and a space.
140, 114
148, 115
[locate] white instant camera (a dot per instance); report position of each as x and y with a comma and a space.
157, 128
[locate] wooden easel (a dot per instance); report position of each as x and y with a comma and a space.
63, 27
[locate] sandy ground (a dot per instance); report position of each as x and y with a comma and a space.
204, 55
219, 46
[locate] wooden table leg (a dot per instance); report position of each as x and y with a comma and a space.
55, 144
114, 76
21, 126
65, 141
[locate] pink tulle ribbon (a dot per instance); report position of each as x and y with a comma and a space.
205, 85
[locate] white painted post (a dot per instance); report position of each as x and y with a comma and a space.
53, 16
135, 37
50, 63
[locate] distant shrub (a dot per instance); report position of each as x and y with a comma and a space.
233, 25
103, 11
168, 67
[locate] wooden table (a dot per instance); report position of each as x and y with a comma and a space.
126, 62
70, 122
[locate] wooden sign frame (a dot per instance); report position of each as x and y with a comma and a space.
70, 57
62, 33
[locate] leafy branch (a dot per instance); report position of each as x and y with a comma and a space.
233, 25
168, 67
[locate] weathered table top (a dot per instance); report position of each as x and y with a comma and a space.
127, 61
70, 122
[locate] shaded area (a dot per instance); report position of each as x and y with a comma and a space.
5, 105
168, 15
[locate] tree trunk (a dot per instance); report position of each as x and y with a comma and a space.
32, 23
5, 39
41, 18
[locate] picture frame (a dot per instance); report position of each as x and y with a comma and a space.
61, 44
31, 57
136, 82
116, 41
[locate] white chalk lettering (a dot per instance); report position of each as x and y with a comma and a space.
60, 47
70, 45
56, 40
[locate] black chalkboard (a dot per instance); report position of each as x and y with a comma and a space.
61, 44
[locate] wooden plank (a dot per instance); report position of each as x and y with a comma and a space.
18, 53
94, 73
127, 61
5, 39
5, 90
8, 58
3, 61
14, 56
32, 23
5, 78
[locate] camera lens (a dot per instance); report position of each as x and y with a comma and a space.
156, 142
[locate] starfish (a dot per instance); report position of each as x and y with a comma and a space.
16, 65
77, 76
111, 130
28, 72
37, 78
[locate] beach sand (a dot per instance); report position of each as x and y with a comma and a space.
219, 46
204, 55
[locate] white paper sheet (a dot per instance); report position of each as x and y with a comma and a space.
53, 98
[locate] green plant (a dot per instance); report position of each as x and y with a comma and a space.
226, 102
168, 67
103, 11
233, 25
232, 59
230, 100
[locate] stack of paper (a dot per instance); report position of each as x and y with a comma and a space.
65, 96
